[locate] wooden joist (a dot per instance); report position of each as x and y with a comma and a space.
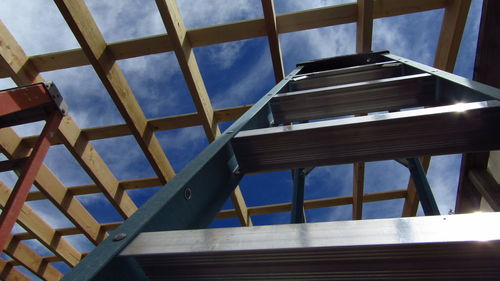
364, 26
17, 250
273, 39
42, 231
156, 124
90, 160
450, 37
247, 29
92, 42
52, 188
452, 29
172, 20
174, 24
13, 147
487, 186
9, 273
93, 188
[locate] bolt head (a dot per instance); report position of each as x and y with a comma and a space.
187, 193
119, 236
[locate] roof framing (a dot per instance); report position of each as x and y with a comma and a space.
103, 56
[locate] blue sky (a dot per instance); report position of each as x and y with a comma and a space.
235, 73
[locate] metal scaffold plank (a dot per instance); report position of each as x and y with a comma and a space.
357, 98
437, 130
449, 247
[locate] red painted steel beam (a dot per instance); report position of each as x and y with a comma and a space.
20, 192
22, 98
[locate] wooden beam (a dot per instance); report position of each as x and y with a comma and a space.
234, 31
273, 39
187, 60
410, 206
358, 190
327, 202
90, 38
42, 231
184, 52
487, 186
81, 149
14, 61
364, 26
90, 160
31, 260
156, 124
452, 29
68, 231
93, 188
9, 273
12, 147
446, 54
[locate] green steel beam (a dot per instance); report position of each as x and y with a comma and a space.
191, 200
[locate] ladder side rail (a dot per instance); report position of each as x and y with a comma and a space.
452, 88
190, 200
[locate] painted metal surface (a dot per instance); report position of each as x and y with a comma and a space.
211, 177
406, 247
423, 188
299, 179
27, 177
453, 247
31, 103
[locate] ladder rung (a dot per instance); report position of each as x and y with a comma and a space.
347, 69
430, 131
344, 76
357, 98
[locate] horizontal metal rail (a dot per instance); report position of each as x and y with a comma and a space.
431, 131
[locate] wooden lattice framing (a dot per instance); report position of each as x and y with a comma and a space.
103, 56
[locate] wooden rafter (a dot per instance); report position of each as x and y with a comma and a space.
90, 38
52, 188
69, 132
364, 26
42, 231
31, 260
450, 37
93, 188
187, 61
204, 36
91, 161
452, 29
9, 273
156, 124
174, 24
102, 56
273, 39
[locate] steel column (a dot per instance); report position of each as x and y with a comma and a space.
20, 191
299, 178
423, 188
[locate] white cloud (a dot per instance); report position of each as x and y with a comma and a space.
40, 29
199, 13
